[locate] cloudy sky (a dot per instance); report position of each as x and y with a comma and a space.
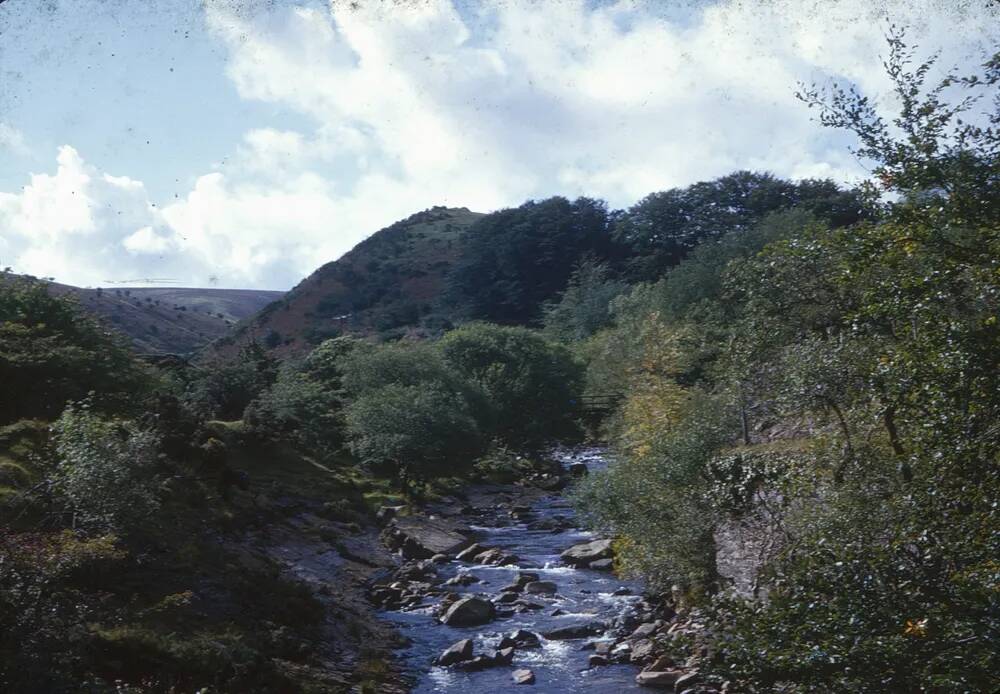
243, 143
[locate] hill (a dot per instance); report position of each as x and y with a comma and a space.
170, 320
389, 282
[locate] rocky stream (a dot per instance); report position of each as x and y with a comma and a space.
503, 590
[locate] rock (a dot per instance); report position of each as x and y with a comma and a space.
581, 555
688, 679
461, 580
490, 556
621, 591
525, 577
541, 588
574, 631
387, 513
658, 679
440, 559
602, 647
523, 639
551, 483
422, 538
505, 598
469, 552
664, 662
579, 469
644, 631
527, 606
603, 565
642, 651
512, 588
523, 676
597, 661
469, 611
456, 653
504, 656
558, 612
480, 662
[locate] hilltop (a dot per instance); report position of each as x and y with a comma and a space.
170, 320
389, 282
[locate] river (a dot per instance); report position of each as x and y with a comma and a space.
583, 596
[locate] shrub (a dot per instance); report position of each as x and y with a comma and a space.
106, 470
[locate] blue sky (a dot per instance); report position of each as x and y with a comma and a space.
247, 142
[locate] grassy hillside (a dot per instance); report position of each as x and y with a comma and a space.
391, 281
170, 319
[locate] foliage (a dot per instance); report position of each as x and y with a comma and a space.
223, 389
107, 469
52, 353
662, 228
418, 431
853, 389
306, 400
515, 260
585, 306
530, 383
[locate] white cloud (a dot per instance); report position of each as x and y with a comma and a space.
417, 104
12, 140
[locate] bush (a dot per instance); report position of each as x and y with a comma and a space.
106, 470
418, 431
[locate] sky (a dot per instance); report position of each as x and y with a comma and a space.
244, 143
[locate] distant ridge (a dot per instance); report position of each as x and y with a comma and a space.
170, 320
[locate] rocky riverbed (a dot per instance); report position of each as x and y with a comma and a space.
501, 589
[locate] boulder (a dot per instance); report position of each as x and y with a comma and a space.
525, 577
541, 588
579, 469
504, 656
461, 580
440, 559
603, 565
456, 653
523, 639
583, 554
489, 556
644, 631
523, 676
468, 612
469, 552
597, 661
505, 598
574, 631
421, 538
658, 679
688, 679
642, 651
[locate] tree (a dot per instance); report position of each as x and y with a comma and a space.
516, 259
531, 384
585, 306
415, 431
662, 228
52, 353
